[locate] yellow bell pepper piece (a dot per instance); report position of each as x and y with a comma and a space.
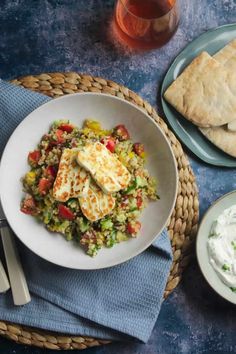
30, 177
131, 154
92, 124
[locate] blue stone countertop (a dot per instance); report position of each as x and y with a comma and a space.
62, 35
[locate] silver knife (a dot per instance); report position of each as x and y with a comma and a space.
4, 283
16, 274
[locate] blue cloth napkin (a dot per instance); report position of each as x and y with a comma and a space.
118, 303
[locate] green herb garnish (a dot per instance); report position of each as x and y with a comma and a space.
133, 209
225, 267
233, 243
131, 188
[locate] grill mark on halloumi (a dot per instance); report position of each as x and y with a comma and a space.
72, 180
106, 169
96, 204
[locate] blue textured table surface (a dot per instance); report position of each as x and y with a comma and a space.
61, 35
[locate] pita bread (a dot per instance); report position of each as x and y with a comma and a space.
203, 93
227, 56
232, 126
222, 138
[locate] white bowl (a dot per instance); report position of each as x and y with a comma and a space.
202, 253
110, 111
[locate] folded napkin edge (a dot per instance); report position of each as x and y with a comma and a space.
65, 329
126, 330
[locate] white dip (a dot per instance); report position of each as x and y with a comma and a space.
222, 247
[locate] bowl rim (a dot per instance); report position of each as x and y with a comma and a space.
199, 239
175, 171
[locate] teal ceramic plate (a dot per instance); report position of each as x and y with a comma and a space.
211, 41
208, 271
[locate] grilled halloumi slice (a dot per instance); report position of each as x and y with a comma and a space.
106, 169
96, 204
72, 180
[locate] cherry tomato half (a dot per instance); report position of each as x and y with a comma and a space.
44, 185
65, 213
133, 227
139, 149
28, 205
110, 143
66, 127
34, 157
121, 132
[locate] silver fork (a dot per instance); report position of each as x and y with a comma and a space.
18, 283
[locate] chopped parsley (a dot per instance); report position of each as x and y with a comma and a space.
225, 267
233, 243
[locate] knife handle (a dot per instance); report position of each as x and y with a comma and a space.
18, 283
4, 283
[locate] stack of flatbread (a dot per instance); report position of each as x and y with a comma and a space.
205, 94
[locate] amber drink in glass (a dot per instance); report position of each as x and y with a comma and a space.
145, 24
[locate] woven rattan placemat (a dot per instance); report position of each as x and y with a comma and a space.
183, 222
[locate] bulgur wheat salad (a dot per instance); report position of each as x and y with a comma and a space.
71, 197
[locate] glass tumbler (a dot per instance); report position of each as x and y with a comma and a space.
145, 24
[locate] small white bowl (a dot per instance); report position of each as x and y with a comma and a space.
110, 111
202, 253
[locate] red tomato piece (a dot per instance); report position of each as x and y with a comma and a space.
28, 205
109, 142
133, 227
44, 185
65, 213
59, 136
51, 172
66, 127
111, 145
139, 149
139, 201
34, 157
121, 132
59, 139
